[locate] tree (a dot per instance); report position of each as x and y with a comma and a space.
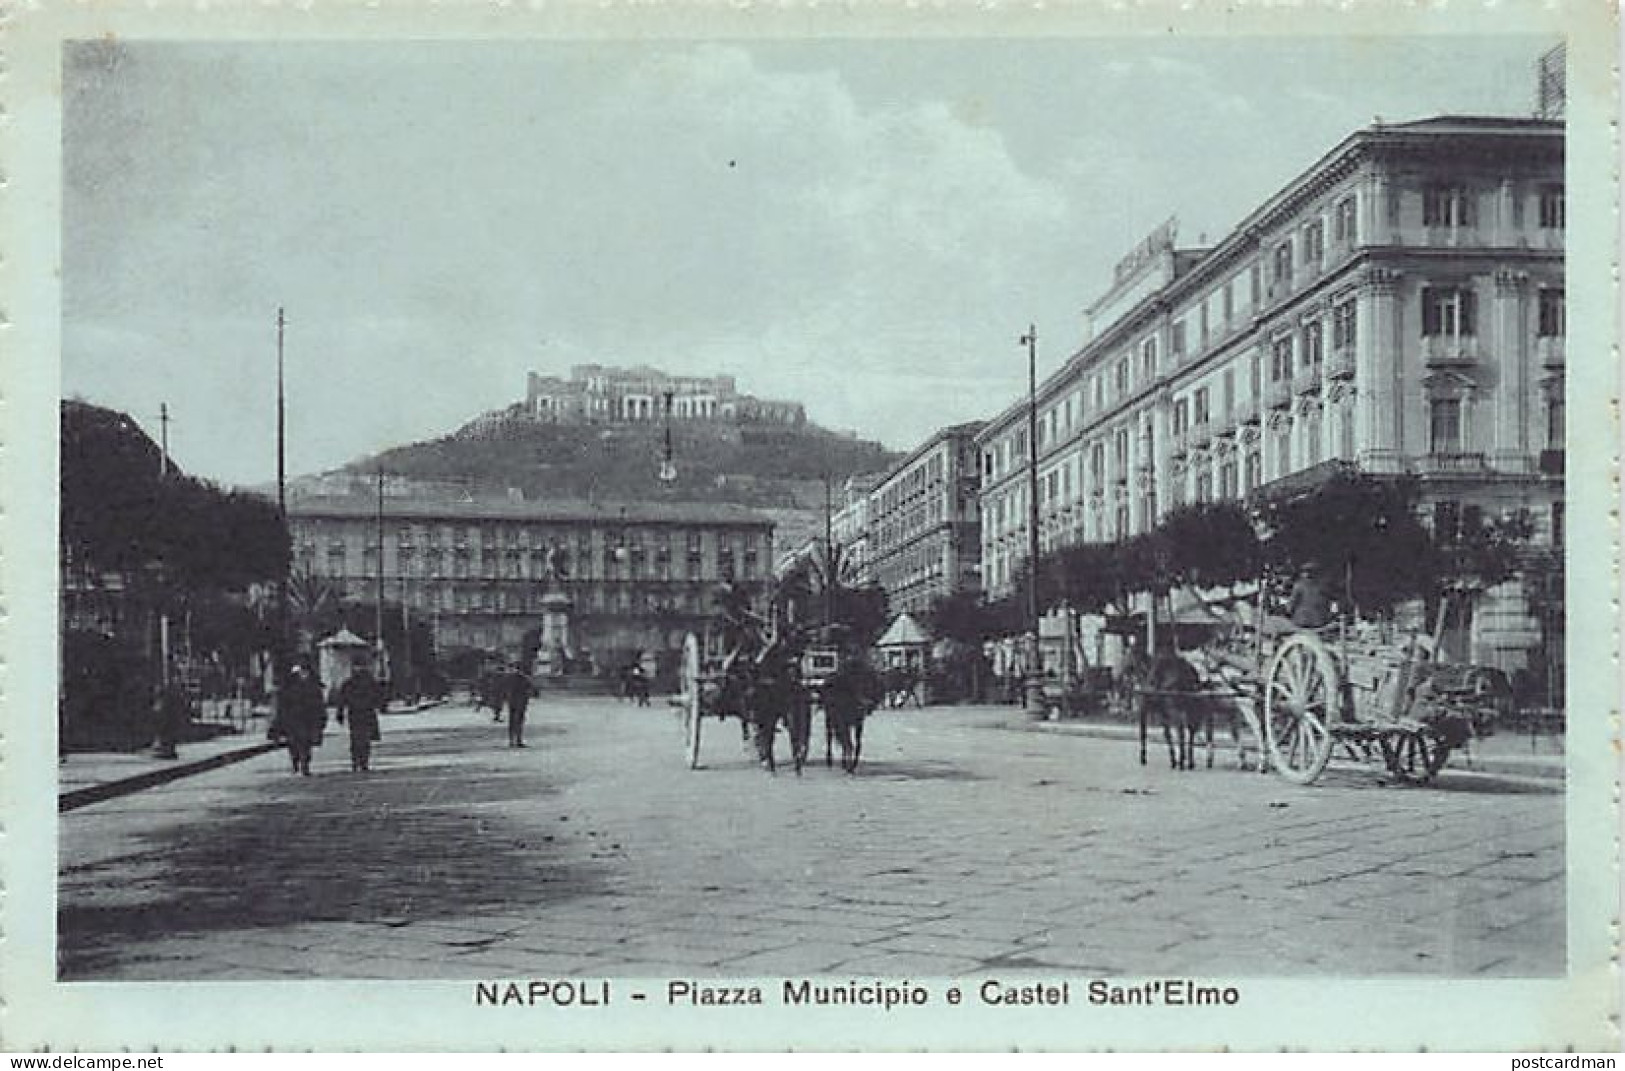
1360, 531
1210, 544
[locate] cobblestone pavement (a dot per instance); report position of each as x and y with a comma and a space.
957, 848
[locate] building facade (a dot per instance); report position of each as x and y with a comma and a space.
924, 524
639, 575
597, 394
849, 528
1400, 306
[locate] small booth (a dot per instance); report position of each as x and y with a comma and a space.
337, 657
904, 644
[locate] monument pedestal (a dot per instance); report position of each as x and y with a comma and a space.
552, 657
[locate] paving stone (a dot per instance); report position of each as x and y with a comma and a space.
602, 854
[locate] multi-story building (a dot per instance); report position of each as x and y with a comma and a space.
924, 525
849, 528
600, 394
639, 575
1399, 305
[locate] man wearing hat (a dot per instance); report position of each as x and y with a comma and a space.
1309, 607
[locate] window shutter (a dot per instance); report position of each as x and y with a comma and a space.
1430, 311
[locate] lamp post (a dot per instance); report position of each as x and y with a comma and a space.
1032, 700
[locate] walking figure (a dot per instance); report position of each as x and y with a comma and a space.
517, 691
301, 716
361, 699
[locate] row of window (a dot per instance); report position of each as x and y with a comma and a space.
526, 537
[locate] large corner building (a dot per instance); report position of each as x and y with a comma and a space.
1399, 305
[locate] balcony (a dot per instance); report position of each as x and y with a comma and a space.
1450, 351
1550, 351
1278, 394
1340, 364
1451, 463
1306, 379
1180, 442
1244, 411
1200, 435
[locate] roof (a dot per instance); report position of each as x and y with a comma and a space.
344, 638
904, 631
1497, 131
554, 509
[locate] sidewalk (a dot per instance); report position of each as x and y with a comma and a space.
1505, 754
86, 777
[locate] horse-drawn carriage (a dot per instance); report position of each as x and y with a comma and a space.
770, 673
1303, 694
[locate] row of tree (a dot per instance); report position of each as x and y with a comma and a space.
1363, 534
141, 541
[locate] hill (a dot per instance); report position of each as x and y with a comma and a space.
762, 465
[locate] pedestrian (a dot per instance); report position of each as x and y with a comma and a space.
517, 692
361, 699
1308, 606
174, 714
301, 716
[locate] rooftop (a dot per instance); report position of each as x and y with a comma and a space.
556, 509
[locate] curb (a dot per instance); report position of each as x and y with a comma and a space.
84, 797
1553, 769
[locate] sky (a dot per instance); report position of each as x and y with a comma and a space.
866, 226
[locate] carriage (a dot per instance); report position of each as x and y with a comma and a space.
1305, 695
767, 673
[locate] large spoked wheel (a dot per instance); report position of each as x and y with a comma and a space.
1415, 756
691, 699
1300, 702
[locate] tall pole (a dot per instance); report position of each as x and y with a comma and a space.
1030, 340
378, 620
279, 650
163, 439
163, 474
829, 558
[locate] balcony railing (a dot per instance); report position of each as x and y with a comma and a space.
1200, 435
1180, 442
1244, 411
1278, 394
1306, 379
1448, 462
1340, 363
1450, 351
1550, 351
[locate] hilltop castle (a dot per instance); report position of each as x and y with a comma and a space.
598, 394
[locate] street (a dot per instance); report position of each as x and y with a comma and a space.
964, 844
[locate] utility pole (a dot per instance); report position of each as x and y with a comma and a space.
163, 439
1030, 340
279, 667
163, 474
378, 620
829, 558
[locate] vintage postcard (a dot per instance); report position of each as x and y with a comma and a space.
809, 528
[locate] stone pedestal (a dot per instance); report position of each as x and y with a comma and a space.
552, 657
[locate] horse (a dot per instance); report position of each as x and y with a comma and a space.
1166, 685
848, 697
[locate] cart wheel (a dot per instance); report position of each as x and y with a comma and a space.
1415, 756
1300, 701
691, 699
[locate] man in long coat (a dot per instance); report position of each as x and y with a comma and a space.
302, 717
361, 699
516, 691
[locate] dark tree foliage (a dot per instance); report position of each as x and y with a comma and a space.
962, 617
1209, 544
120, 514
1360, 532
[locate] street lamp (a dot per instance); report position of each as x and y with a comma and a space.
1032, 700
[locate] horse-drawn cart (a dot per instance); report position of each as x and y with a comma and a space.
1304, 694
